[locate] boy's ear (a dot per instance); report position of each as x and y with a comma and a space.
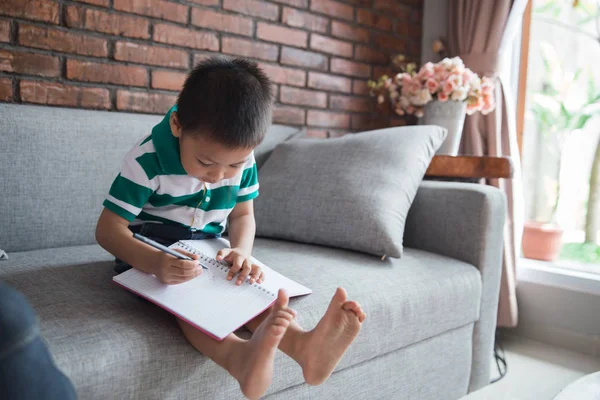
175, 125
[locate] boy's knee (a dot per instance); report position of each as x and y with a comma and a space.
17, 320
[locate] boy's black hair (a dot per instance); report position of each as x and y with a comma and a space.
228, 99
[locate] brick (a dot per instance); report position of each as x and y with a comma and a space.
390, 42
64, 41
302, 58
416, 16
6, 92
367, 54
295, 3
175, 35
289, 115
369, 122
254, 8
331, 46
333, 9
153, 103
154, 8
151, 55
345, 31
378, 71
360, 2
305, 20
303, 97
316, 133
58, 94
168, 80
413, 30
392, 7
352, 68
222, 22
328, 119
285, 76
397, 121
366, 17
360, 87
5, 31
101, 3
206, 2
201, 57
249, 48
28, 63
349, 103
279, 34
317, 80
102, 21
106, 73
38, 10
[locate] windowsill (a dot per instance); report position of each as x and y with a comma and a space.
561, 274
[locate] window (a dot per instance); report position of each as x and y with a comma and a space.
561, 135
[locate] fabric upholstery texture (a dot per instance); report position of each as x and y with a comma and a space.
57, 165
352, 192
466, 222
109, 341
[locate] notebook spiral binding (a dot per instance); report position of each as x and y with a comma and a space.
222, 265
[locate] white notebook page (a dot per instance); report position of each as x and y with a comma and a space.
273, 280
210, 301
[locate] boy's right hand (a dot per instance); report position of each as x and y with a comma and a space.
171, 270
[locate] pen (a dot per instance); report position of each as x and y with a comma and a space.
165, 249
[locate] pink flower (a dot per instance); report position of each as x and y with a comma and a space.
432, 85
399, 111
442, 97
426, 71
449, 87
471, 109
410, 110
456, 79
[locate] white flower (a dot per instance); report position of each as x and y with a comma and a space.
404, 102
421, 97
380, 99
457, 62
394, 94
419, 113
459, 94
446, 62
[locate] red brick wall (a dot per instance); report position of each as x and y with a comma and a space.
132, 55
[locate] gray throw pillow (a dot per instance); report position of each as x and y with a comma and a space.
353, 192
275, 135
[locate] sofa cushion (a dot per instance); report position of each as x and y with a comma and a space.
275, 135
352, 192
110, 341
57, 165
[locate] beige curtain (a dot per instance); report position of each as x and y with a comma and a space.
481, 33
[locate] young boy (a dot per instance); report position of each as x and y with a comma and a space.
190, 176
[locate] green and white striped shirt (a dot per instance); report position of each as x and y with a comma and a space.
153, 186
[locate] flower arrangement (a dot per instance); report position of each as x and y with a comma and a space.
448, 80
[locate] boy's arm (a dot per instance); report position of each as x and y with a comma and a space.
242, 227
113, 234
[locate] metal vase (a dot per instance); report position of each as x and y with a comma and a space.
450, 115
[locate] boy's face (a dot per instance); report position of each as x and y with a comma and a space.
205, 159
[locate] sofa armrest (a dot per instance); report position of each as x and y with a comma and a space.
465, 221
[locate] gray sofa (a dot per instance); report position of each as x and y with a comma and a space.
431, 315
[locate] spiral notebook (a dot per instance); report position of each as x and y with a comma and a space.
210, 302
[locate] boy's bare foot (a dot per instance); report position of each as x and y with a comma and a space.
324, 346
253, 365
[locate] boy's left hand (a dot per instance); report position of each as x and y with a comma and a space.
241, 263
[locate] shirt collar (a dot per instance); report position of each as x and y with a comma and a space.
167, 146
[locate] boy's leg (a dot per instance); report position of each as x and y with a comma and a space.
320, 350
250, 362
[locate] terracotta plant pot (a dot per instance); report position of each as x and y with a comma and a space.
542, 241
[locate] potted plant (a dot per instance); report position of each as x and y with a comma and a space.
441, 94
558, 117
